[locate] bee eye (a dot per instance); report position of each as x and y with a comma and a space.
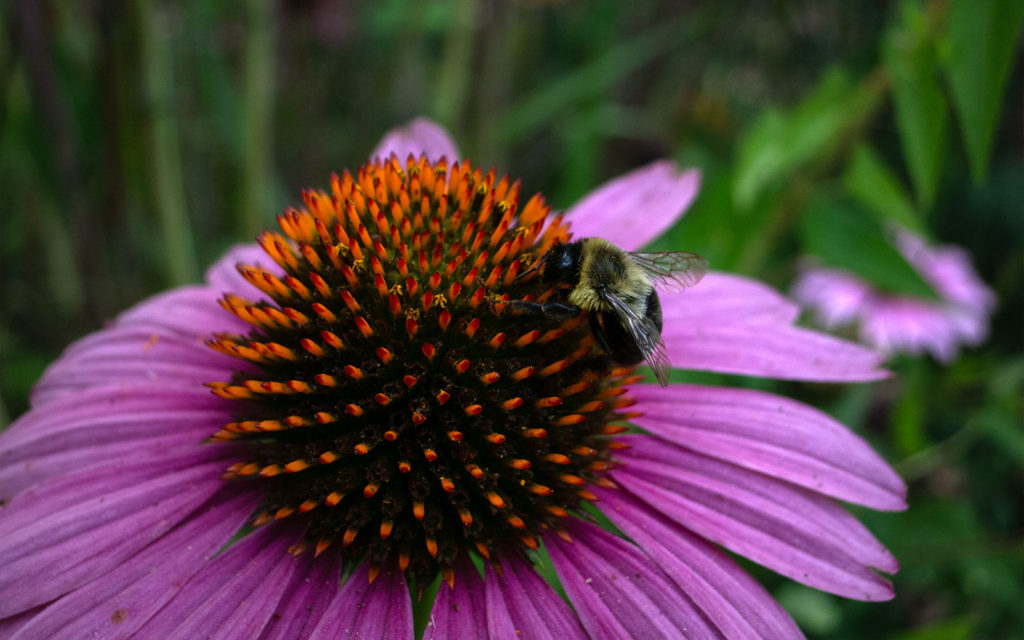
616, 266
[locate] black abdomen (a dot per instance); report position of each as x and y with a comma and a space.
616, 340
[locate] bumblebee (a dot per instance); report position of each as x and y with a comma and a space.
617, 289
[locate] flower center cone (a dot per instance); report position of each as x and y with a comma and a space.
390, 398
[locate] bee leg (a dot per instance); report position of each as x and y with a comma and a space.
556, 310
598, 332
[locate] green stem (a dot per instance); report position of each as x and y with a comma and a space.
926, 461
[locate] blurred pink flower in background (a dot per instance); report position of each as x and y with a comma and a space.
897, 323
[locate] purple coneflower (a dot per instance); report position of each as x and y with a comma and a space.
380, 423
894, 323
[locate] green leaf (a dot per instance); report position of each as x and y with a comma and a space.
982, 41
781, 142
921, 117
846, 237
872, 183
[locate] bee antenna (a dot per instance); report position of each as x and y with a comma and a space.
536, 265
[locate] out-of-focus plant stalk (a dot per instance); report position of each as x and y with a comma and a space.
162, 132
255, 182
456, 63
62, 218
495, 81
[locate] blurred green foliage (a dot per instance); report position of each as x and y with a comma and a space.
139, 139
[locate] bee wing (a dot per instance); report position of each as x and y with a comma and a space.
671, 271
645, 334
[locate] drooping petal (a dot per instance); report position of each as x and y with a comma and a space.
520, 600
369, 611
797, 533
727, 298
459, 611
617, 591
96, 519
233, 596
734, 602
100, 425
418, 137
635, 208
769, 350
313, 585
774, 435
136, 589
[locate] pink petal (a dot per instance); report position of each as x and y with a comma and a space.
499, 620
730, 299
836, 297
774, 435
948, 269
636, 208
312, 587
49, 547
519, 600
10, 626
459, 611
161, 339
103, 424
769, 350
617, 591
734, 602
906, 325
73, 490
420, 136
187, 312
254, 568
132, 592
133, 354
379, 610
231, 600
790, 530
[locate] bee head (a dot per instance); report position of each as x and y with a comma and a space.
562, 263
